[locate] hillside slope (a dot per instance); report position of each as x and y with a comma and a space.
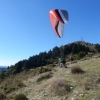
82, 86
78, 49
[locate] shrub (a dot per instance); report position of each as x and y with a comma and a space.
45, 76
20, 85
40, 70
77, 70
20, 97
2, 96
12, 87
80, 55
60, 87
45, 69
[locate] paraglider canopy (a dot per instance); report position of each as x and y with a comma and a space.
58, 18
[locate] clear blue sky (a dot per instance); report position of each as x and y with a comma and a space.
25, 28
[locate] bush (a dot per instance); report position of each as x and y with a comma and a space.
60, 87
40, 70
80, 55
2, 96
20, 97
20, 85
76, 70
45, 76
12, 87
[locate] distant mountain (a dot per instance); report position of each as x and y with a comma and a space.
3, 68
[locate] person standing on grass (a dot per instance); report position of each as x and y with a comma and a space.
62, 62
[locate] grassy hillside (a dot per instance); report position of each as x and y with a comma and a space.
80, 81
78, 50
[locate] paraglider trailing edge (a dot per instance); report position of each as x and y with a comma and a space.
58, 19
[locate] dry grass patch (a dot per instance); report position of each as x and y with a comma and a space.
77, 70
60, 87
44, 76
91, 81
40, 70
10, 85
7, 89
88, 83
